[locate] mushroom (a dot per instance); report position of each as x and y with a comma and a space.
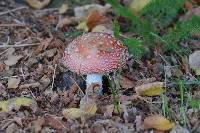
95, 54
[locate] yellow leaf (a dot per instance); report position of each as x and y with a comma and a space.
3, 106
73, 113
158, 122
150, 89
37, 4
63, 8
90, 108
16, 103
88, 103
197, 71
82, 26
23, 101
137, 5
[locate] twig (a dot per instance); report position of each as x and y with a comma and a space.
12, 25
77, 85
54, 72
3, 52
21, 45
22, 72
13, 10
47, 10
15, 76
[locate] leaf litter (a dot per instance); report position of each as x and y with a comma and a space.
36, 96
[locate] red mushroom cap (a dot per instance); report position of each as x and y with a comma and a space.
95, 52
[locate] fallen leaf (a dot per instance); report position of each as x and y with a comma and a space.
137, 5
179, 129
10, 52
125, 82
38, 124
83, 11
3, 106
63, 22
89, 106
194, 62
2, 89
82, 26
12, 60
13, 82
53, 122
102, 28
16, 103
38, 4
18, 120
109, 109
95, 18
63, 9
197, 1
188, 5
73, 113
150, 89
157, 122
190, 14
12, 128
2, 66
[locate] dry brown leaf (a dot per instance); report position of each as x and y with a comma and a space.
12, 128
38, 124
150, 89
53, 122
109, 111
2, 89
82, 12
188, 5
95, 18
38, 4
13, 82
157, 122
190, 14
197, 1
125, 82
64, 22
12, 60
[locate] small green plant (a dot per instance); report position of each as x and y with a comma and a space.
156, 26
135, 46
115, 95
165, 106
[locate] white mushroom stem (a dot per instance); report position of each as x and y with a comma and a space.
94, 78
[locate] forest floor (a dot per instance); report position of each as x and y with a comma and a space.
35, 87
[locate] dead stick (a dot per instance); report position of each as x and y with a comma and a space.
12, 25
21, 45
9, 11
